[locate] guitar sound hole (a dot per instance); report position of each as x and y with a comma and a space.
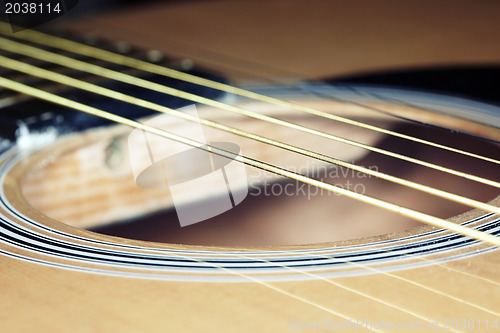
271, 215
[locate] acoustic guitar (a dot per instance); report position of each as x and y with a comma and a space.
181, 167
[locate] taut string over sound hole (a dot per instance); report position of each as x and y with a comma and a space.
276, 211
279, 137
286, 212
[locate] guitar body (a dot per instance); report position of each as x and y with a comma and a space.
272, 264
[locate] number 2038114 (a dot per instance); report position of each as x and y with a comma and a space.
470, 324
32, 8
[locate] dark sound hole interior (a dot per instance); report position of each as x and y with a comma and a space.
269, 217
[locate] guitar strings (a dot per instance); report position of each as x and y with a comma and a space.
159, 67
379, 271
76, 83
292, 80
118, 76
493, 206
347, 288
310, 303
306, 301
249, 68
382, 301
273, 287
415, 215
406, 104
89, 87
282, 291
417, 284
71, 46
448, 267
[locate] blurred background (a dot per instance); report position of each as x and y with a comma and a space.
447, 45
